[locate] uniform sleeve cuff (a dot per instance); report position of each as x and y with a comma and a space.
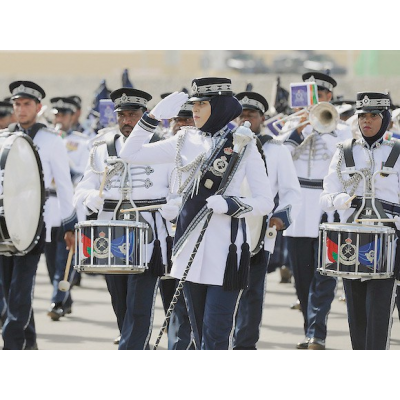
69, 223
236, 208
284, 215
147, 123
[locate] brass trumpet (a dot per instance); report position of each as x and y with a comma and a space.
323, 117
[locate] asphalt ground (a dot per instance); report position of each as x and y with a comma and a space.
92, 323
91, 328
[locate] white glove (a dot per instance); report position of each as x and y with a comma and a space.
93, 201
340, 200
170, 210
242, 136
169, 106
396, 220
217, 204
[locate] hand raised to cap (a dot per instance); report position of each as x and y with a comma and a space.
169, 107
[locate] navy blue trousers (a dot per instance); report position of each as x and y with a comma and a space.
19, 323
314, 291
249, 314
133, 297
211, 312
179, 329
370, 306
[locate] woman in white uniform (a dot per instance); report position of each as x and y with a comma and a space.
220, 263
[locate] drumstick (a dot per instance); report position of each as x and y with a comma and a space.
350, 200
103, 182
142, 208
65, 285
375, 220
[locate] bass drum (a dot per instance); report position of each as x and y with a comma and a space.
23, 198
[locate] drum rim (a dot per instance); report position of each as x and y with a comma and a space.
12, 137
111, 223
360, 228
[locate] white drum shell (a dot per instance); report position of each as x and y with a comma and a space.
23, 195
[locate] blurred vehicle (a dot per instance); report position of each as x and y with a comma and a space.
246, 63
299, 62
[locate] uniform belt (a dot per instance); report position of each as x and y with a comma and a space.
391, 208
109, 205
311, 183
50, 193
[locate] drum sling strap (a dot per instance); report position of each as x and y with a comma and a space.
156, 266
380, 205
31, 132
257, 256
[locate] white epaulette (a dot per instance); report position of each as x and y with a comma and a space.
101, 133
79, 134
50, 130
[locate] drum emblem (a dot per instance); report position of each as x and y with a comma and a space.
100, 246
347, 253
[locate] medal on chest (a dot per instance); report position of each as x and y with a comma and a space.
219, 166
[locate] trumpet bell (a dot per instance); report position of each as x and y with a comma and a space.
324, 117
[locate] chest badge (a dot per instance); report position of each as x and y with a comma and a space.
219, 166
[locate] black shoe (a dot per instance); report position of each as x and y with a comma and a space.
55, 312
286, 275
244, 348
34, 347
296, 306
316, 344
304, 344
67, 310
116, 340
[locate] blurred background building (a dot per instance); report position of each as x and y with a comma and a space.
64, 73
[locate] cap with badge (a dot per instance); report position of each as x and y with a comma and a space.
26, 89
6, 108
372, 102
77, 100
252, 101
203, 89
323, 81
63, 105
129, 99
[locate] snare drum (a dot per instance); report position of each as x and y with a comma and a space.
111, 247
356, 251
23, 198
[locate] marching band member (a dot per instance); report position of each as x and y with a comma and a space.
26, 97
370, 302
217, 254
312, 152
132, 295
6, 114
284, 182
56, 254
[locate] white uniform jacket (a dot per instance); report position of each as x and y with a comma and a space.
284, 182
78, 153
149, 182
209, 263
387, 188
312, 153
54, 158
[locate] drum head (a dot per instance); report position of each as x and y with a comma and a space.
23, 191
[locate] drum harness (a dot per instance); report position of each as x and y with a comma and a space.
367, 206
116, 166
